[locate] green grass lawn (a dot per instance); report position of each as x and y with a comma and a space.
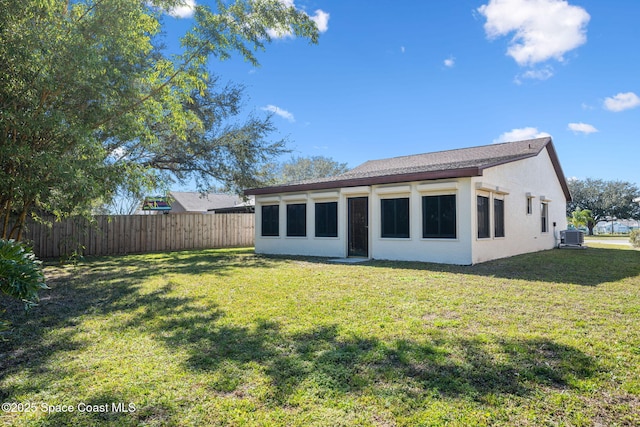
608, 242
225, 337
606, 236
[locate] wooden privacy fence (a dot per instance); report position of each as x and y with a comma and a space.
123, 234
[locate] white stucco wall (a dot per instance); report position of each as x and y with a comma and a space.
308, 245
415, 248
512, 182
534, 176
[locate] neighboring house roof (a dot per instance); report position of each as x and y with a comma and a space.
248, 206
464, 162
198, 202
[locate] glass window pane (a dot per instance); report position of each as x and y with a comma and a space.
498, 212
439, 216
327, 219
270, 220
297, 220
395, 217
483, 217
448, 216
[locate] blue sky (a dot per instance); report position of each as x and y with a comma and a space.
408, 77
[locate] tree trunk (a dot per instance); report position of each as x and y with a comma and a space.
19, 224
5, 221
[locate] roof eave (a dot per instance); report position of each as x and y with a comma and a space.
554, 161
374, 180
556, 166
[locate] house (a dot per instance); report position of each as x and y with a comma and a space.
195, 202
621, 226
461, 206
248, 206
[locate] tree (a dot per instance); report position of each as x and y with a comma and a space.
582, 218
605, 199
90, 103
121, 204
303, 168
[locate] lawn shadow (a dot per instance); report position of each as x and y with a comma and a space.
98, 285
589, 267
320, 362
143, 266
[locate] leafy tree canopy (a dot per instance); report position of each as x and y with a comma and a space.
302, 168
604, 199
582, 218
91, 103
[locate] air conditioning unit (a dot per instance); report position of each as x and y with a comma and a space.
571, 238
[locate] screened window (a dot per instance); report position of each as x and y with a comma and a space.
498, 217
270, 220
483, 217
544, 213
439, 216
395, 217
327, 219
297, 220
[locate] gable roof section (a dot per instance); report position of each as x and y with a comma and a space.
464, 162
197, 202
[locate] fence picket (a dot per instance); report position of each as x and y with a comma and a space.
139, 234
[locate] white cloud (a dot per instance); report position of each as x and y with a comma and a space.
185, 11
403, 49
321, 19
279, 112
543, 73
280, 33
520, 134
621, 102
118, 154
582, 128
544, 29
450, 62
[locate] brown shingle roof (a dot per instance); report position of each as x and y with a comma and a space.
464, 162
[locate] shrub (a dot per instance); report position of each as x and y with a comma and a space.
634, 238
21, 274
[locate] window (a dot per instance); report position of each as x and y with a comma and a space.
483, 217
544, 214
439, 217
498, 218
270, 220
395, 217
529, 205
297, 220
327, 219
